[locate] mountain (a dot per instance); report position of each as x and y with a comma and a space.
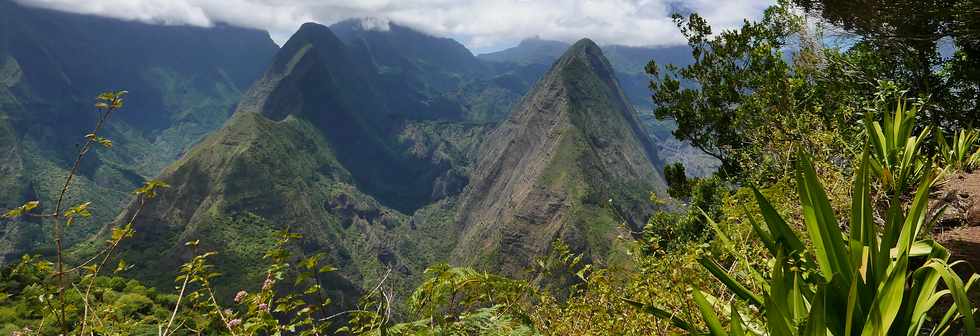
629, 64
529, 51
321, 146
433, 78
633, 60
317, 147
183, 83
548, 172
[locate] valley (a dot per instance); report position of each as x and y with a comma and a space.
384, 130
493, 167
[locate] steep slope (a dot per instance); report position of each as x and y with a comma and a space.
310, 148
183, 83
629, 64
548, 172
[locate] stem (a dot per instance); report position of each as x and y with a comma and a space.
166, 331
61, 288
108, 253
58, 228
85, 301
78, 159
207, 286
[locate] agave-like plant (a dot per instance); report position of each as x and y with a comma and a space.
895, 151
959, 154
870, 282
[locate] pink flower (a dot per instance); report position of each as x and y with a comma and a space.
240, 296
234, 323
263, 307
267, 285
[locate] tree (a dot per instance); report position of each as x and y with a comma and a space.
906, 35
677, 184
748, 103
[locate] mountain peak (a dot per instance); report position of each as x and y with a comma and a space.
311, 32
311, 29
573, 143
587, 49
585, 44
585, 59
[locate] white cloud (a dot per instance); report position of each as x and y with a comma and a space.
479, 24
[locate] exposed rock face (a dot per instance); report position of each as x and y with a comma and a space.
550, 170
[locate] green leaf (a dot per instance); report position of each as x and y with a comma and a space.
963, 306
150, 188
21, 210
661, 313
888, 300
737, 327
776, 318
80, 210
708, 314
817, 321
863, 228
821, 222
733, 285
781, 232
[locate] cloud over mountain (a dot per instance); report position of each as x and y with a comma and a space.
479, 24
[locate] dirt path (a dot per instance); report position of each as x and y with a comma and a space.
962, 193
960, 229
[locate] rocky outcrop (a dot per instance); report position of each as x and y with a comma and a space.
568, 164
961, 196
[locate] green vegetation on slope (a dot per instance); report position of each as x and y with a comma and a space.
737, 258
185, 82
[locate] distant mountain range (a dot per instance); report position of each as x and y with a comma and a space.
185, 82
387, 149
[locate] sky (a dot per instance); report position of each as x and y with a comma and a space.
481, 25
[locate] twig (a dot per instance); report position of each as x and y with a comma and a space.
345, 312
81, 154
87, 308
61, 287
58, 228
108, 252
166, 331
214, 301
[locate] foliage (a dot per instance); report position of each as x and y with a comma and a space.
677, 184
959, 153
749, 104
714, 266
896, 154
81, 300
885, 280
907, 38
483, 321
668, 230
